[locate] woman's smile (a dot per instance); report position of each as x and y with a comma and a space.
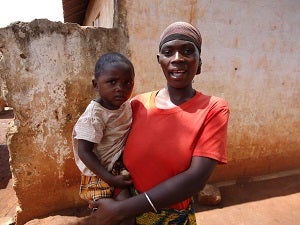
176, 74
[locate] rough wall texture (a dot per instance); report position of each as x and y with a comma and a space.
250, 57
48, 69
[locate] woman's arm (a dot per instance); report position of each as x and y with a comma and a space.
171, 191
185, 184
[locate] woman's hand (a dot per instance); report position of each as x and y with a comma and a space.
107, 212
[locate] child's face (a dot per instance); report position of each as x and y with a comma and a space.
114, 85
180, 62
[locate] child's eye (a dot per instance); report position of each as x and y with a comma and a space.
112, 81
130, 83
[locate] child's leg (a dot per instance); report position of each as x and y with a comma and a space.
93, 188
123, 194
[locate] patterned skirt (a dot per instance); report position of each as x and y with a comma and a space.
168, 216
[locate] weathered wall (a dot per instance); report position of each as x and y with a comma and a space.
48, 69
251, 56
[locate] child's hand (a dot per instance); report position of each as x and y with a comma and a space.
122, 181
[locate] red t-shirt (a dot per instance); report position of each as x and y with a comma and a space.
162, 142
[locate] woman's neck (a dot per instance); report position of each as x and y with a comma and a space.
171, 97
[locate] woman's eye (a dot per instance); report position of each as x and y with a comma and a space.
166, 52
188, 51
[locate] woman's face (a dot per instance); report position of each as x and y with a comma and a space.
180, 62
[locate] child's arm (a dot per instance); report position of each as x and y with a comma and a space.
85, 153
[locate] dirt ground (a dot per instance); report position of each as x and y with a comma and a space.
272, 200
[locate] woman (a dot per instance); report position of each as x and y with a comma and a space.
177, 138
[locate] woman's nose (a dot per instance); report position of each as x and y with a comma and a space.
177, 56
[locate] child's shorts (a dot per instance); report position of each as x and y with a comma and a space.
94, 188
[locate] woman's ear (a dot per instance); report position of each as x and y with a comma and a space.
199, 67
157, 56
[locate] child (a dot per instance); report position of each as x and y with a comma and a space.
101, 131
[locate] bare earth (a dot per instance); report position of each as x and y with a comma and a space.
271, 201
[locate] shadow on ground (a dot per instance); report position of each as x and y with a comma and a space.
256, 191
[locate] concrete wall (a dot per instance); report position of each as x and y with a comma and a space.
250, 57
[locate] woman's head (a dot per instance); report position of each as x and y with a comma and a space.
114, 79
181, 31
179, 54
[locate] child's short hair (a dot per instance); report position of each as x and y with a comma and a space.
111, 58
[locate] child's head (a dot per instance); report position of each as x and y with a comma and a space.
179, 54
113, 79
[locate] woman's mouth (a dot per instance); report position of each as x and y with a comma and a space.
177, 73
